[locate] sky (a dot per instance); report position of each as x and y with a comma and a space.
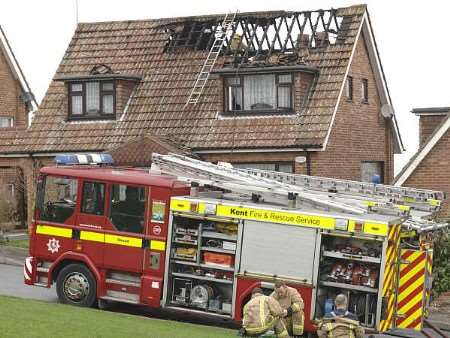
411, 37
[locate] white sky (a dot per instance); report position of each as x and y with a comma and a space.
411, 37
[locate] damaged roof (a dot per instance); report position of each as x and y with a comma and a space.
157, 106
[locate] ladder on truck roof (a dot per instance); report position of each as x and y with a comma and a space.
214, 52
325, 193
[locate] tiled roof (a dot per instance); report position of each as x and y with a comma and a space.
157, 106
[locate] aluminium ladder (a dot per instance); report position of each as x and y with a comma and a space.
208, 65
346, 196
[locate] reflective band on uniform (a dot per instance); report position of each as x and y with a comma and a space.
295, 307
284, 333
92, 236
53, 231
157, 245
123, 240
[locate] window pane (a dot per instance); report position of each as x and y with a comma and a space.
60, 198
76, 87
285, 168
261, 166
93, 198
364, 90
6, 122
370, 169
259, 92
285, 78
349, 88
107, 86
235, 80
77, 105
235, 98
108, 104
92, 97
127, 208
284, 97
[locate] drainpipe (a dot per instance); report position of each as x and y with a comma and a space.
308, 163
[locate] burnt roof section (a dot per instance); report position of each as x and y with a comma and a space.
157, 105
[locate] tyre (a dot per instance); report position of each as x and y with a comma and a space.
76, 285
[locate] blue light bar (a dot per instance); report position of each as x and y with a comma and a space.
75, 159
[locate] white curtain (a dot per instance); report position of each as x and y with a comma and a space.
108, 104
259, 92
92, 97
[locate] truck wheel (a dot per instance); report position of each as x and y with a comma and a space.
76, 285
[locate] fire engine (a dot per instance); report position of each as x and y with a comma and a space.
196, 236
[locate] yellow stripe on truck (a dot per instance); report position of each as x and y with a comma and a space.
180, 205
157, 245
276, 217
53, 231
92, 236
123, 240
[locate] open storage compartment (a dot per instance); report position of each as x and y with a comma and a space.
352, 266
202, 264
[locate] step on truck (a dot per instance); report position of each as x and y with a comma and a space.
196, 236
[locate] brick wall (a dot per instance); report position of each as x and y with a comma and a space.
427, 125
123, 93
433, 173
359, 133
11, 103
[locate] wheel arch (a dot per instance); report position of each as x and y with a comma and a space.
74, 258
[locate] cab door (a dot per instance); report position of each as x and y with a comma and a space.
124, 238
91, 220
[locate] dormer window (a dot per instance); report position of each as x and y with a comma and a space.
259, 93
102, 94
92, 99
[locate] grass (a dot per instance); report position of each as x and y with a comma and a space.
22, 243
30, 318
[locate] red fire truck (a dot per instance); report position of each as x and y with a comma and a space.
141, 237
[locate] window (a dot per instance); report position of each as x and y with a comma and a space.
286, 167
93, 201
6, 122
365, 90
127, 208
262, 92
11, 189
349, 88
91, 100
57, 197
370, 169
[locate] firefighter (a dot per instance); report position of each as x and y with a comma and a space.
340, 322
292, 303
262, 313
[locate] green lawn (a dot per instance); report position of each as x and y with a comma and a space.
29, 318
23, 243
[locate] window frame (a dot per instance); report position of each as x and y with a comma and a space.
275, 163
10, 119
278, 84
146, 200
349, 88
84, 115
105, 198
364, 90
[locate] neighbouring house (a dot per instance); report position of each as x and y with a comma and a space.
285, 86
16, 104
429, 167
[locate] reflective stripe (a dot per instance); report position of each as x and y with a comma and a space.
261, 311
283, 333
92, 236
157, 245
53, 231
123, 240
295, 307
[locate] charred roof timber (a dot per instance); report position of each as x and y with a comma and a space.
259, 37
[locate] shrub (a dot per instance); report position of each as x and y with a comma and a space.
441, 262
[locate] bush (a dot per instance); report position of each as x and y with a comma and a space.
8, 211
441, 262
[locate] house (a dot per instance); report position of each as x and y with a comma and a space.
297, 92
16, 103
429, 167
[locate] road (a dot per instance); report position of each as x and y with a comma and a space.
11, 284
